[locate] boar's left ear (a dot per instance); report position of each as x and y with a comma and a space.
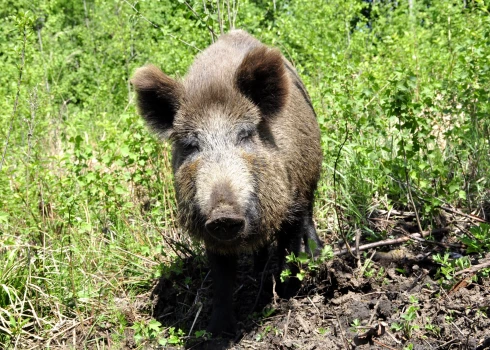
158, 97
262, 77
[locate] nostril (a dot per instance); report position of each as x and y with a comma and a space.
225, 227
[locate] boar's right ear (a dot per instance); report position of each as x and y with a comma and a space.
158, 97
262, 77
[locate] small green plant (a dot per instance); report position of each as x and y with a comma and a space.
153, 331
323, 331
479, 240
355, 324
175, 337
407, 326
144, 331
202, 334
260, 336
268, 312
449, 317
307, 263
431, 328
448, 267
368, 270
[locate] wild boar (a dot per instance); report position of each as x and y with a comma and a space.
246, 154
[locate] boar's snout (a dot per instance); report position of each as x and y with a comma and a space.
224, 207
224, 225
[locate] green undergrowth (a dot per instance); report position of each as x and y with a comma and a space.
87, 209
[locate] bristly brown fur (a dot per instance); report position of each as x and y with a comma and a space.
246, 155
262, 77
246, 82
158, 97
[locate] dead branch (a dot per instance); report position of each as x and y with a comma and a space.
474, 268
391, 241
346, 343
286, 326
469, 216
393, 212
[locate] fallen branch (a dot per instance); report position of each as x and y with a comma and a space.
474, 268
383, 345
457, 212
394, 212
286, 325
391, 241
344, 338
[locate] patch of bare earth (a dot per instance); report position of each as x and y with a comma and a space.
395, 302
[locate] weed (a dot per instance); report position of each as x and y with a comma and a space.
429, 327
307, 263
407, 326
323, 331
448, 267
355, 324
152, 331
260, 336
478, 240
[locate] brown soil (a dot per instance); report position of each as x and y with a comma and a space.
344, 306
393, 297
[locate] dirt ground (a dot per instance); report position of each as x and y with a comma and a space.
386, 305
389, 297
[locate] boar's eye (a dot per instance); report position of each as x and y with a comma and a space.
190, 146
245, 135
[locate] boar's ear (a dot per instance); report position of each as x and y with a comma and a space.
262, 77
158, 97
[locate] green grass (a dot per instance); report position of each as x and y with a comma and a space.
86, 193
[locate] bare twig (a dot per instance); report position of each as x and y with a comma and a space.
286, 326
195, 319
274, 294
420, 239
457, 212
366, 264
213, 34
442, 346
337, 211
407, 181
474, 268
358, 239
316, 308
346, 343
381, 344
375, 310
387, 242
67, 329
230, 24
220, 19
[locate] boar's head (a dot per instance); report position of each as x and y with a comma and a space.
229, 182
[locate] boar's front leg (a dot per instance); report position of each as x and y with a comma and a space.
223, 272
309, 233
289, 241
